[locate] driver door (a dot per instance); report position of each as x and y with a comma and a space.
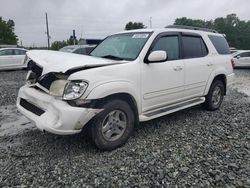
6, 58
163, 83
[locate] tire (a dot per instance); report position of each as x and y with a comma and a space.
112, 127
215, 96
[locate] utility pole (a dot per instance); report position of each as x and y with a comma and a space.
150, 22
47, 26
74, 36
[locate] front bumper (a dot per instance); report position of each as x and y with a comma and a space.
56, 116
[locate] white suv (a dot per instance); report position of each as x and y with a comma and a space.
130, 77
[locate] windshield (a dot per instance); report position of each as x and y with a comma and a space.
126, 46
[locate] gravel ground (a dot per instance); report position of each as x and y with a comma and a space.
190, 148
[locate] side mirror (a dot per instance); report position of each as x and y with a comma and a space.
238, 57
157, 56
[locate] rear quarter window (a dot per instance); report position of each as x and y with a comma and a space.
220, 44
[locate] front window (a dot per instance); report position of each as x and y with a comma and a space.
126, 46
6, 52
169, 44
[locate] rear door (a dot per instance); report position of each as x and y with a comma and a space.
198, 65
163, 83
18, 58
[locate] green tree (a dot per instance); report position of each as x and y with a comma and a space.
56, 45
235, 30
134, 25
70, 41
7, 35
190, 22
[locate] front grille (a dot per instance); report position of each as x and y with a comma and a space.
47, 79
44, 81
31, 107
35, 68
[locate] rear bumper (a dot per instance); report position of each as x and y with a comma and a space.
54, 115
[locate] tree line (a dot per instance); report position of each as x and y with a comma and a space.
7, 34
237, 31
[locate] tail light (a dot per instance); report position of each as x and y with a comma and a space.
232, 63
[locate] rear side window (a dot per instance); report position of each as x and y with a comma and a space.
20, 52
80, 51
244, 54
169, 44
194, 47
89, 50
220, 44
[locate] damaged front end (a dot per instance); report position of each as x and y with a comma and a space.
55, 83
54, 103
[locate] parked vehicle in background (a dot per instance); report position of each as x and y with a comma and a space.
89, 41
78, 49
242, 58
12, 58
130, 77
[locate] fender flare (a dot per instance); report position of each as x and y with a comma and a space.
212, 77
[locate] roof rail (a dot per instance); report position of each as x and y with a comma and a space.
191, 28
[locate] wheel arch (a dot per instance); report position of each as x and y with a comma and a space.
213, 77
124, 97
118, 90
223, 78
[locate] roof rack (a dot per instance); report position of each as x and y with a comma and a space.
191, 28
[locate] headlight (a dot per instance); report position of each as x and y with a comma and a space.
74, 89
57, 88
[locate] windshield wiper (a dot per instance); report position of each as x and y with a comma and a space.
112, 57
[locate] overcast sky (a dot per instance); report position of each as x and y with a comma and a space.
99, 18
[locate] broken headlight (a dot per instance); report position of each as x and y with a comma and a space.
74, 89
57, 88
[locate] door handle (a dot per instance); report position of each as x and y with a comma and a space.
178, 68
210, 64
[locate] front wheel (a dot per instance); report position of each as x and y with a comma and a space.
112, 127
215, 96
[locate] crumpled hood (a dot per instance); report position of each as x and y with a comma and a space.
54, 61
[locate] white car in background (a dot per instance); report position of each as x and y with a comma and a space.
241, 58
12, 58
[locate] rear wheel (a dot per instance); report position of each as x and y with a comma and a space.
215, 96
112, 127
